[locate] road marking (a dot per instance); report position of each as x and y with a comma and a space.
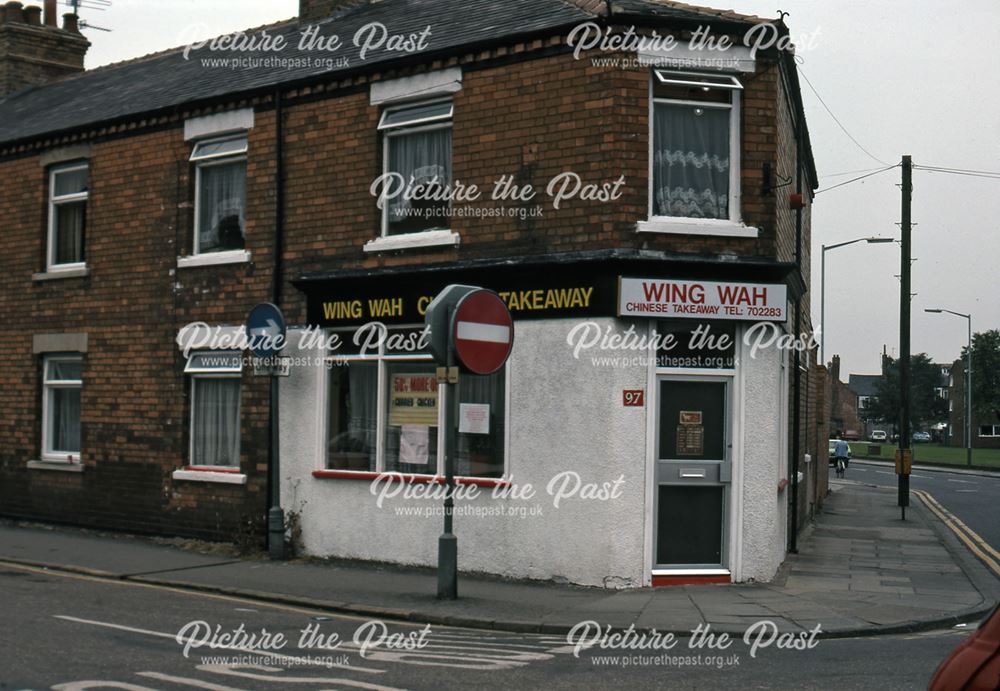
967, 535
925, 477
187, 681
884, 472
972, 491
964, 482
232, 648
229, 671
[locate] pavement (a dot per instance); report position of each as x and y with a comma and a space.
860, 570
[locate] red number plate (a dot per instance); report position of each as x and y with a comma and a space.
633, 397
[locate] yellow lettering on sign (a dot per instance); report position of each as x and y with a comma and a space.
386, 307
342, 309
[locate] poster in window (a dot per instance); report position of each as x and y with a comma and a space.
474, 418
413, 400
690, 434
414, 444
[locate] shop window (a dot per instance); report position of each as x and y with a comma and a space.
695, 146
68, 195
384, 414
220, 195
989, 430
417, 152
63, 382
215, 408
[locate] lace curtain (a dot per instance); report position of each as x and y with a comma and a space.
222, 207
691, 161
422, 156
216, 421
65, 412
69, 224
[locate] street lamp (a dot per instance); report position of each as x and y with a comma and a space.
822, 289
968, 383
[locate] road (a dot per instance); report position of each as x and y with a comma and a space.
72, 632
975, 499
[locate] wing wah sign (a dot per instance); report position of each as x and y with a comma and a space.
648, 297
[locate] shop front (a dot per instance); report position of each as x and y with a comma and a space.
636, 436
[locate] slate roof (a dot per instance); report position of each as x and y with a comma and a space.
164, 81
864, 384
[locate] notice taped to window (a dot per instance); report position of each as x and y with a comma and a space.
690, 434
413, 400
474, 418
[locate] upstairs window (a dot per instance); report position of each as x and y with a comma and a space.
695, 156
220, 194
417, 151
69, 191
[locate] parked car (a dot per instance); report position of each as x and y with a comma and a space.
833, 445
879, 435
922, 437
975, 663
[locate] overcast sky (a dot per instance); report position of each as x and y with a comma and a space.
903, 76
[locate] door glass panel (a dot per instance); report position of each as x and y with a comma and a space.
689, 529
692, 420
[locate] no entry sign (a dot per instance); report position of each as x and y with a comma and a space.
482, 332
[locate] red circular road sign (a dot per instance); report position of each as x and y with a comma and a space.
482, 331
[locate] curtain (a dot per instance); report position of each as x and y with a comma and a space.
69, 225
424, 158
481, 455
691, 161
362, 409
222, 207
65, 404
216, 421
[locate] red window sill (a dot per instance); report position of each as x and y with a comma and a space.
416, 479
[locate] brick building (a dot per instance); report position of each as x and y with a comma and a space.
844, 421
985, 428
143, 197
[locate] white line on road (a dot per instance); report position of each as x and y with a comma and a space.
187, 681
973, 491
257, 651
884, 472
964, 482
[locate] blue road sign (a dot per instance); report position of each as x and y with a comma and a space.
266, 330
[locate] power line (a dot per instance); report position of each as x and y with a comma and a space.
848, 172
861, 177
839, 123
960, 171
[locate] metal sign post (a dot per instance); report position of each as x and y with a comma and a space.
266, 330
472, 327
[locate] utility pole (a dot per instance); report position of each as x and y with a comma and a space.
903, 478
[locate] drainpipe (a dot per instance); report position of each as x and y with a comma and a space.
276, 515
793, 543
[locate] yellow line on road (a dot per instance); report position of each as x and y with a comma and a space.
967, 535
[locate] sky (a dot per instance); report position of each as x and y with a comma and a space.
902, 76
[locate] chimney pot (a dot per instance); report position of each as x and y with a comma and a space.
33, 15
51, 14
14, 11
70, 23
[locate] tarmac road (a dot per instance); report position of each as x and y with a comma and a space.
73, 632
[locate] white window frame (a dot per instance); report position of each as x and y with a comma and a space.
416, 126
215, 373
50, 251
732, 226
994, 428
383, 359
228, 158
48, 453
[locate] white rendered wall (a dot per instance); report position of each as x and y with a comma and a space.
564, 415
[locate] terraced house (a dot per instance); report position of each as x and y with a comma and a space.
608, 190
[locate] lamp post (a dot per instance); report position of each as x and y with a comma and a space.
822, 288
968, 383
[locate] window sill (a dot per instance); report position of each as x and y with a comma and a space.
697, 226
56, 274
214, 258
428, 238
415, 479
202, 474
62, 466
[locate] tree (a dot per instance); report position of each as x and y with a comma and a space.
925, 404
985, 373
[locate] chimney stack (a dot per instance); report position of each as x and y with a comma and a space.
835, 368
33, 52
314, 10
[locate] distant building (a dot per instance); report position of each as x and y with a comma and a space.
844, 420
865, 390
985, 428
